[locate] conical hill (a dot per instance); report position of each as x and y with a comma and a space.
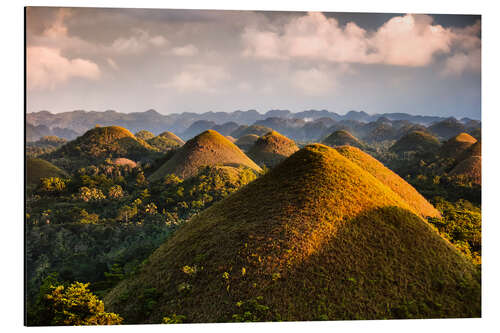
206, 149
342, 138
36, 169
457, 145
246, 141
417, 141
316, 238
172, 136
271, 149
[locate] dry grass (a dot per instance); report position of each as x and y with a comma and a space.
318, 237
124, 161
342, 138
172, 136
469, 168
271, 149
419, 204
208, 148
246, 141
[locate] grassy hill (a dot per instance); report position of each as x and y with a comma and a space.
417, 141
419, 204
100, 143
166, 141
342, 138
316, 238
271, 149
37, 168
208, 148
144, 135
469, 168
246, 141
455, 146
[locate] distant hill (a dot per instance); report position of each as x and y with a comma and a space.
208, 148
254, 129
416, 141
246, 142
342, 138
272, 148
457, 145
100, 143
226, 128
447, 128
144, 135
37, 169
166, 141
317, 237
197, 127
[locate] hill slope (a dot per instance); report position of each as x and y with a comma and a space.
418, 141
315, 238
457, 145
271, 149
166, 141
246, 141
469, 168
420, 205
342, 138
208, 148
37, 168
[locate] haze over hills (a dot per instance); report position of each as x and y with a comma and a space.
209, 148
342, 138
278, 241
303, 126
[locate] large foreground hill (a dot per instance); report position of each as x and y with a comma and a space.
318, 237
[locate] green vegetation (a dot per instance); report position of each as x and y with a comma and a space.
207, 149
321, 238
271, 149
37, 169
246, 141
144, 135
418, 142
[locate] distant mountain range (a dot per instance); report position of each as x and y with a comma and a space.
71, 124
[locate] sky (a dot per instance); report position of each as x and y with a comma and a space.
173, 61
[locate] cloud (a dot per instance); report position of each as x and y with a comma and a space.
313, 82
462, 62
46, 68
137, 43
112, 63
198, 78
409, 40
185, 51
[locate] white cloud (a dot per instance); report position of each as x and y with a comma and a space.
185, 51
314, 82
46, 68
410, 40
138, 42
198, 78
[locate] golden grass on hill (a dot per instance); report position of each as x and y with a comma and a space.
37, 169
416, 141
172, 136
318, 237
419, 204
469, 168
271, 149
457, 145
342, 138
246, 141
230, 138
208, 148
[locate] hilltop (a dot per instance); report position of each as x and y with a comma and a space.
166, 141
254, 129
208, 148
272, 148
316, 238
37, 169
416, 141
342, 138
457, 145
100, 143
447, 128
246, 141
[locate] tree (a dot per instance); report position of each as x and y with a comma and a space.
76, 305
